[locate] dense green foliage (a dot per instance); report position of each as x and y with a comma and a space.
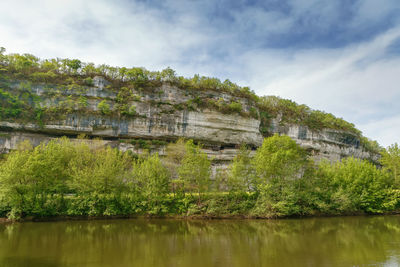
83, 178
291, 112
391, 161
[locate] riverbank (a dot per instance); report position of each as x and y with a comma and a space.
184, 217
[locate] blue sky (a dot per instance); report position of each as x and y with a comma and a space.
339, 56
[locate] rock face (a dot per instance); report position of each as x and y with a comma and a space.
327, 143
165, 113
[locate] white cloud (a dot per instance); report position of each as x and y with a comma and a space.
386, 130
357, 82
334, 80
99, 31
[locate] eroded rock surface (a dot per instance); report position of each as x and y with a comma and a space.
163, 114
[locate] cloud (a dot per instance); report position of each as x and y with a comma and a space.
337, 56
385, 130
97, 31
358, 83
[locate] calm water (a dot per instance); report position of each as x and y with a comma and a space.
347, 241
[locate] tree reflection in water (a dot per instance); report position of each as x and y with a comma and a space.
340, 241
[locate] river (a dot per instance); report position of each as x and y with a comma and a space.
339, 241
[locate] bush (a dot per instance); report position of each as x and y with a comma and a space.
88, 81
236, 107
104, 108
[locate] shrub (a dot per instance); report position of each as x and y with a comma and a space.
235, 107
104, 108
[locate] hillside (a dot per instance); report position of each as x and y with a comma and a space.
135, 109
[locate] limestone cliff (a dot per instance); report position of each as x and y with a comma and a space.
164, 112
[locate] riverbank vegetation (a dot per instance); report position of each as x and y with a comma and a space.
61, 77
80, 178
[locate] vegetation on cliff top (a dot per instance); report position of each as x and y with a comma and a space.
75, 178
76, 75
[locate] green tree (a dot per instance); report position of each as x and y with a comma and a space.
175, 154
101, 170
15, 183
357, 185
242, 173
279, 157
3, 58
48, 165
89, 69
31, 177
194, 170
279, 165
168, 74
390, 159
151, 180
74, 65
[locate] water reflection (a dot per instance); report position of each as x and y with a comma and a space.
345, 241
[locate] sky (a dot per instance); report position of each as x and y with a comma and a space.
339, 56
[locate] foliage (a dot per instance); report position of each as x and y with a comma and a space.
175, 154
84, 178
77, 75
144, 144
390, 159
151, 180
357, 185
279, 157
290, 112
225, 107
104, 107
62, 177
242, 176
98, 170
194, 170
370, 145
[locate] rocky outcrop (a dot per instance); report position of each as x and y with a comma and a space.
157, 117
167, 113
327, 143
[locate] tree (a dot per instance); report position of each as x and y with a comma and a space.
30, 177
391, 160
121, 73
279, 157
242, 176
100, 171
151, 181
175, 154
15, 183
194, 170
89, 69
74, 65
2, 56
357, 185
168, 74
